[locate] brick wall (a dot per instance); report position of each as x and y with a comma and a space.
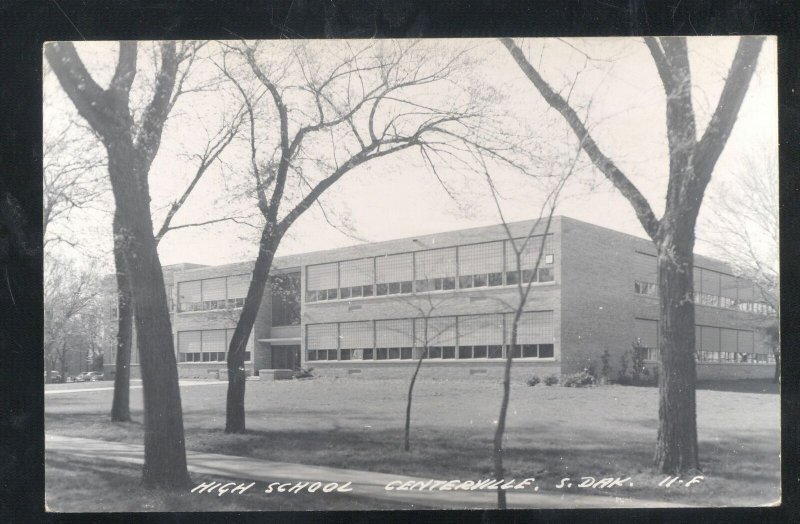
436, 369
597, 295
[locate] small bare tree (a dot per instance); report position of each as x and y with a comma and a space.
522, 248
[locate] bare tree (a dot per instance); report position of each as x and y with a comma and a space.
70, 306
691, 163
70, 181
745, 224
326, 112
131, 145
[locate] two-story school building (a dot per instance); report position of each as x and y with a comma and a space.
374, 309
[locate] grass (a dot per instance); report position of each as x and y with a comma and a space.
553, 432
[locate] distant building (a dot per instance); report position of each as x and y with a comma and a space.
371, 309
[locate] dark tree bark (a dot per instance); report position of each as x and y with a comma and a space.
120, 405
234, 412
129, 160
691, 163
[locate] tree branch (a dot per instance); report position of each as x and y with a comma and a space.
640, 205
719, 128
155, 115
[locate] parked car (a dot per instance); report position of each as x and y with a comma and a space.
69, 378
53, 378
86, 376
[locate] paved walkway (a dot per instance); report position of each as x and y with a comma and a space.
183, 384
214, 467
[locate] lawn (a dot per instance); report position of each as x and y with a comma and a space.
553, 432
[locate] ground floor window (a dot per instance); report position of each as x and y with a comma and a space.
447, 337
208, 345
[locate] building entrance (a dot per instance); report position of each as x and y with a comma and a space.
286, 357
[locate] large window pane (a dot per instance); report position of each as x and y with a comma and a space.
710, 338
529, 252
480, 258
213, 289
213, 340
238, 285
355, 335
321, 336
481, 330
535, 327
189, 342
394, 268
394, 333
435, 263
356, 272
441, 331
188, 293
322, 276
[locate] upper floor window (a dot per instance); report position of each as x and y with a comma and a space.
213, 293
480, 265
322, 282
356, 278
523, 266
394, 274
435, 269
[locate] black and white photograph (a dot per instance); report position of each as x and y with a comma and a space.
396, 274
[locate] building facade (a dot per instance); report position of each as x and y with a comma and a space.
374, 309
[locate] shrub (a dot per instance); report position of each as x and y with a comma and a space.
532, 380
578, 380
302, 373
550, 380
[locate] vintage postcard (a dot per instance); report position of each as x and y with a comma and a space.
411, 274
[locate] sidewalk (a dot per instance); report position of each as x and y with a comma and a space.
218, 468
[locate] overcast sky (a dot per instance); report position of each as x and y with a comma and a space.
398, 196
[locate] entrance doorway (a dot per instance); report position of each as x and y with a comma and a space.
286, 357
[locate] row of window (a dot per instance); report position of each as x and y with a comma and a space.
715, 356
544, 274
213, 293
704, 299
434, 352
466, 336
711, 288
734, 357
463, 267
711, 343
208, 345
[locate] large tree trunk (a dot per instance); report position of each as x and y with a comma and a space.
676, 450
234, 408
120, 406
165, 455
